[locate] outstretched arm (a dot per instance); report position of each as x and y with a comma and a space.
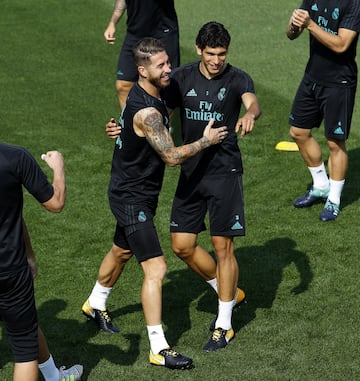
149, 123
253, 111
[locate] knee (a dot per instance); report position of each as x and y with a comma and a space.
181, 250
120, 255
123, 88
223, 247
295, 134
155, 269
336, 146
300, 135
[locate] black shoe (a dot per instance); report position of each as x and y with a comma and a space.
170, 359
219, 339
312, 196
101, 317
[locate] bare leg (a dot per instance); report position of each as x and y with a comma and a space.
123, 88
151, 293
112, 266
338, 159
227, 267
309, 148
26, 371
186, 248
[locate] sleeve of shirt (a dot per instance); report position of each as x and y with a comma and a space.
244, 83
33, 178
351, 19
305, 5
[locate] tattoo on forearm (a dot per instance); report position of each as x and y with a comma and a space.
160, 139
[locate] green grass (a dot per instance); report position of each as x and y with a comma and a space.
300, 322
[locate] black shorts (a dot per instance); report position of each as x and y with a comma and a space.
314, 103
18, 312
135, 231
127, 71
222, 196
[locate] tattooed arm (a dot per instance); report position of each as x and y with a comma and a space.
149, 123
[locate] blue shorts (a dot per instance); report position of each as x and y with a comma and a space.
315, 103
221, 196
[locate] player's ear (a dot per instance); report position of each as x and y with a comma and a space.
198, 50
142, 71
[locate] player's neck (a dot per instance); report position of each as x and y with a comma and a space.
150, 88
207, 74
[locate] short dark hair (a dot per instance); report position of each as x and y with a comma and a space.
213, 35
145, 49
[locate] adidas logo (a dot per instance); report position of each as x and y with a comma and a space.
191, 93
314, 7
339, 131
237, 226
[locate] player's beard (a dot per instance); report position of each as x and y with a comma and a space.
158, 82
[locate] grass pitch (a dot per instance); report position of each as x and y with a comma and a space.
300, 322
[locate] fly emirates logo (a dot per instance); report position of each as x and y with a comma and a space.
204, 113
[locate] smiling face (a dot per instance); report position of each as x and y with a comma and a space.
212, 60
157, 71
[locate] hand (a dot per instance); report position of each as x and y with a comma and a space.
109, 34
54, 160
246, 123
215, 135
300, 19
112, 129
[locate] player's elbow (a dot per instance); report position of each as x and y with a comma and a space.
55, 204
54, 207
340, 49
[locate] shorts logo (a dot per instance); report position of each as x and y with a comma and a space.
339, 130
237, 225
173, 223
142, 216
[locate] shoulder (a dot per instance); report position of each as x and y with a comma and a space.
237, 72
185, 70
14, 153
238, 76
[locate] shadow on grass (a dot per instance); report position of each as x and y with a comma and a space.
69, 340
180, 289
261, 270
